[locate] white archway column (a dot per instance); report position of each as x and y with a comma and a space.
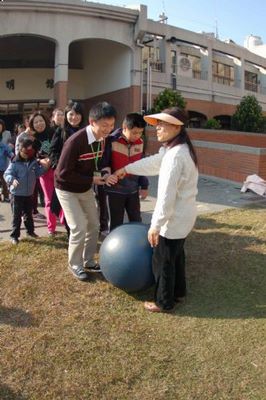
209, 60
242, 77
61, 74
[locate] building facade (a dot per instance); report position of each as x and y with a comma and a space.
52, 52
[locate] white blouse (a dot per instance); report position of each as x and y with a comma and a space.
175, 211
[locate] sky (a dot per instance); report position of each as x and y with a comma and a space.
231, 19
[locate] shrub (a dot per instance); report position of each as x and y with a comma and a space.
168, 98
248, 116
212, 123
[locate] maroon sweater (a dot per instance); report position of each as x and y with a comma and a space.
77, 163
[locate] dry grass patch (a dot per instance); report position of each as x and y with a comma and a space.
64, 339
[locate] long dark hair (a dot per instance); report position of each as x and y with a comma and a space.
183, 136
68, 129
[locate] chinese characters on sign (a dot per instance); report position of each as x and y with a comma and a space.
10, 84
49, 83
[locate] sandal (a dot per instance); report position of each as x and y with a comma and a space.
152, 307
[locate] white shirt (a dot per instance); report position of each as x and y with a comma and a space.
175, 211
91, 137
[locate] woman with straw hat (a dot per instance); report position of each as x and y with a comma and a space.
175, 210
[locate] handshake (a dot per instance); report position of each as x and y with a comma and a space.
109, 179
113, 178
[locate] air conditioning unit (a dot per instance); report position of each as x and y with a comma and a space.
184, 66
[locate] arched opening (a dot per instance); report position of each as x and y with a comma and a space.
100, 70
27, 72
26, 51
196, 119
225, 121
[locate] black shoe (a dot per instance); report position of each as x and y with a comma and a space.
14, 241
79, 272
180, 299
32, 235
93, 268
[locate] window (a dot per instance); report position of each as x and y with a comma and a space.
222, 73
196, 65
173, 61
153, 55
251, 81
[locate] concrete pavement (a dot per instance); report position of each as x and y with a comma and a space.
214, 195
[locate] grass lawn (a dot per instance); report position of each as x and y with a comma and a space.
64, 339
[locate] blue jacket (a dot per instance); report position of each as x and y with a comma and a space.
26, 173
5, 154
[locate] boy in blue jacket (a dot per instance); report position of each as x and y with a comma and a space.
21, 175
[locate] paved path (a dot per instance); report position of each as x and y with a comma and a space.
214, 195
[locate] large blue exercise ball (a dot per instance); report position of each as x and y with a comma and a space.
126, 257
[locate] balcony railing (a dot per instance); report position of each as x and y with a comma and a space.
251, 86
196, 74
223, 80
157, 66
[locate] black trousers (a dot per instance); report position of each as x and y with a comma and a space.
37, 191
119, 203
168, 265
21, 205
101, 198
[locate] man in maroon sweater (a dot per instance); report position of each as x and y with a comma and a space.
76, 172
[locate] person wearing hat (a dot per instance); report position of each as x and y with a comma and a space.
175, 211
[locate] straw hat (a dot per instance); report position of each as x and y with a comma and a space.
153, 119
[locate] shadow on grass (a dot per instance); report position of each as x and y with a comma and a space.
58, 242
7, 394
16, 317
211, 223
225, 274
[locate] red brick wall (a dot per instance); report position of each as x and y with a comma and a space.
232, 137
60, 93
234, 164
262, 166
227, 164
124, 100
210, 108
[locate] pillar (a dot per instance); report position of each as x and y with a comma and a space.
61, 74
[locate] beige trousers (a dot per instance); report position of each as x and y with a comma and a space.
82, 218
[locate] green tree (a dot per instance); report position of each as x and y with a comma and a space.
212, 123
248, 116
168, 98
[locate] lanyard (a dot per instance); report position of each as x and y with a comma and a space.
96, 158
